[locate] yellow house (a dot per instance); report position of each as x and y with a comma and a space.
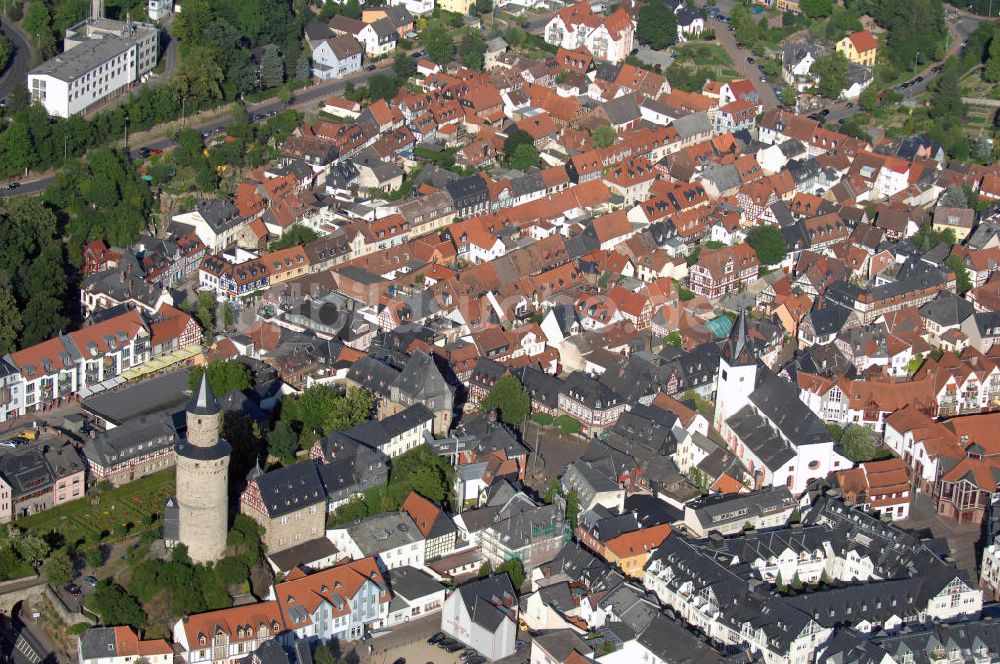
958, 220
457, 6
861, 48
631, 550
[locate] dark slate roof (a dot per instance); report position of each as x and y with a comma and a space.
543, 387
489, 601
203, 402
829, 319
670, 641
411, 583
468, 190
137, 437
947, 309
589, 391
99, 642
378, 433
291, 488
778, 400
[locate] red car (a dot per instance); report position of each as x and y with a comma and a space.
155, 151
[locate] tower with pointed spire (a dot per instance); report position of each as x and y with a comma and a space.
203, 479
737, 372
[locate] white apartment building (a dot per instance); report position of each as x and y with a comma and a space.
101, 59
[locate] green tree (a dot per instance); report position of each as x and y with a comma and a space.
963, 282
869, 99
484, 6
947, 108
745, 27
58, 569
16, 147
321, 409
485, 570
272, 72
323, 655
552, 490
515, 138
302, 68
857, 443
404, 67
115, 606
472, 50
509, 398
572, 509
525, 157
513, 568
437, 41
282, 441
656, 26
223, 377
11, 324
296, 235
816, 8
603, 136
832, 72
769, 244
352, 9
954, 197
673, 339
788, 96
382, 87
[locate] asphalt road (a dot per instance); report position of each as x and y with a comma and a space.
303, 98
739, 55
17, 70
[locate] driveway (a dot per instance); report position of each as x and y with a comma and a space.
739, 55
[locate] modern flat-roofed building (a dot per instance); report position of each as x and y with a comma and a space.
101, 59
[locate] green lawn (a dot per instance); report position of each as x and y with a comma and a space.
108, 515
702, 54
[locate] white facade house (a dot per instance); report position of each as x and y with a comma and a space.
607, 37
121, 645
415, 594
483, 615
157, 9
340, 603
101, 59
392, 538
415, 7
337, 57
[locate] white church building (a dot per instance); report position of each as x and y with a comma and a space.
776, 437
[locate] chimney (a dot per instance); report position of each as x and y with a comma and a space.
96, 9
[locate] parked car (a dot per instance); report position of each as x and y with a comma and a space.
73, 589
751, 61
401, 660
370, 68
438, 637
90, 581
455, 647
13, 184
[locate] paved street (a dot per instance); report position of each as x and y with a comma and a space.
17, 70
739, 55
303, 99
962, 538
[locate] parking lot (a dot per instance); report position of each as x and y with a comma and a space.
409, 642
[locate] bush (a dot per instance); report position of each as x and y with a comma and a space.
541, 418
567, 424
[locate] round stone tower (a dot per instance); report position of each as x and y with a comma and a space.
203, 479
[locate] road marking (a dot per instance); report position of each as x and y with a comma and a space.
25, 649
